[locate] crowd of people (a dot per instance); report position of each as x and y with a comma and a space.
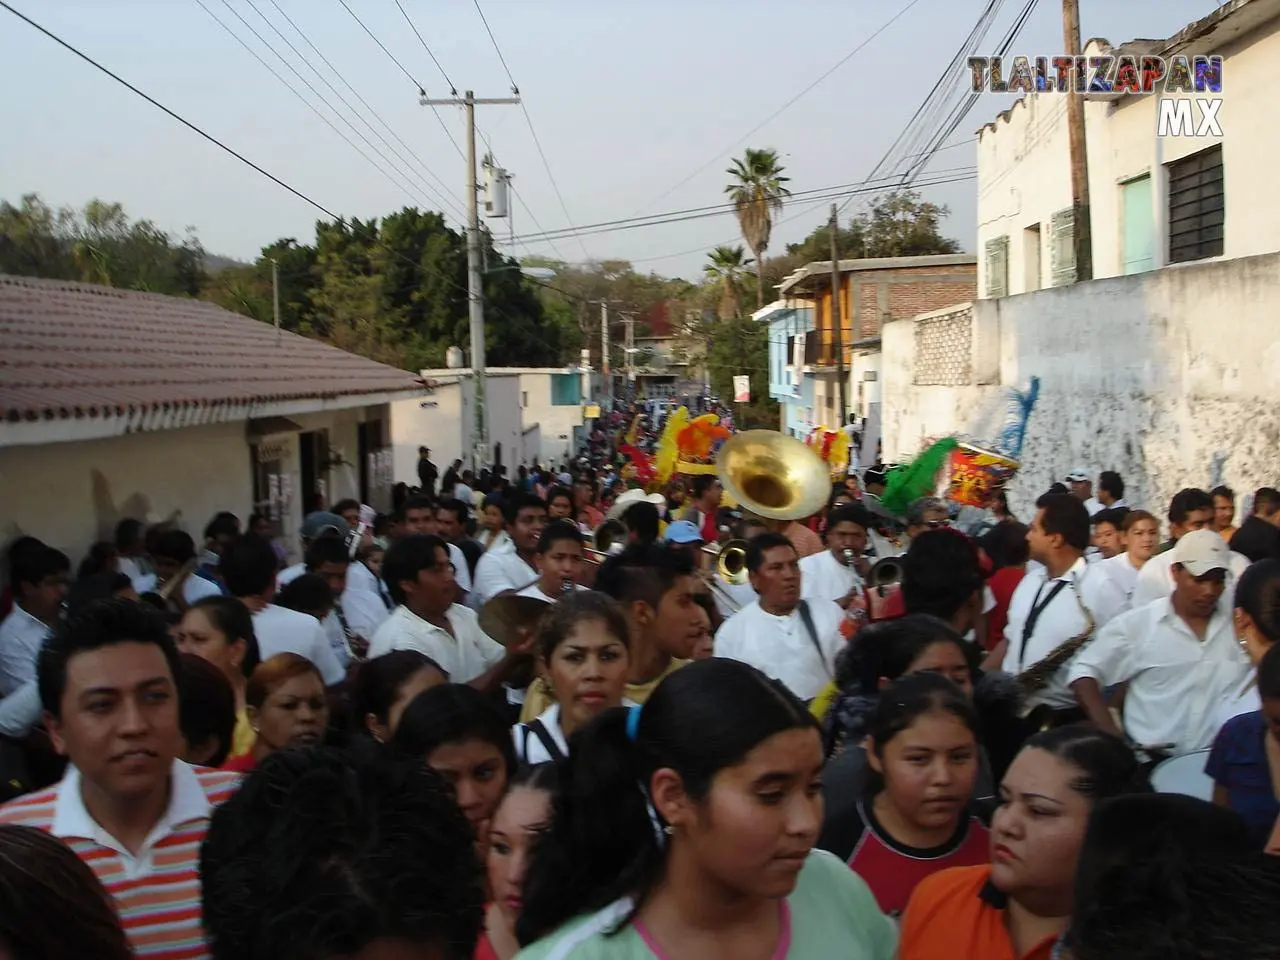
919, 737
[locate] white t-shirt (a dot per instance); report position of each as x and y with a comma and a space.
823, 577
533, 590
464, 655
782, 648
290, 574
740, 593
286, 631
193, 588
1121, 577
501, 570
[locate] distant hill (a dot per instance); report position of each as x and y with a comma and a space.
216, 264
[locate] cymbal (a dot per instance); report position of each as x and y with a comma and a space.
503, 617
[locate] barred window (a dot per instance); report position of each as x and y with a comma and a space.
943, 348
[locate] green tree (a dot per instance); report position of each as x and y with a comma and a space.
756, 191
900, 224
740, 345
724, 272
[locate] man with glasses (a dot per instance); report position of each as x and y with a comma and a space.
420, 576
927, 513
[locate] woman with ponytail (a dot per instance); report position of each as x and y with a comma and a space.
686, 828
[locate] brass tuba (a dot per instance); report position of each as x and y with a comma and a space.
885, 573
731, 560
773, 476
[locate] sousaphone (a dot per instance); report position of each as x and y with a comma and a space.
773, 476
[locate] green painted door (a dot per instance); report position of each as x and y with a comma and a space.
1139, 226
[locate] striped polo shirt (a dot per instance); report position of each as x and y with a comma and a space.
156, 892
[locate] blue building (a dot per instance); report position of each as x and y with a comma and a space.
791, 351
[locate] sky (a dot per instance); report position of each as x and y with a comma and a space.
639, 107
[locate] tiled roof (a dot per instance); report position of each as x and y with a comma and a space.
71, 350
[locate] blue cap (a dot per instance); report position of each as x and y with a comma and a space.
682, 531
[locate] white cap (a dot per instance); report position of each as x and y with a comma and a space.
1200, 551
1078, 475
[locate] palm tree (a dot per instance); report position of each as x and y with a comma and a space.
756, 192
725, 270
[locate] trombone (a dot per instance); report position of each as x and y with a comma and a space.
730, 567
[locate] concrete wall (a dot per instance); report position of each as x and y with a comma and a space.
554, 440
1024, 171
71, 494
1159, 376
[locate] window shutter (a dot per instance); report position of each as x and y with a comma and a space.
997, 267
1062, 247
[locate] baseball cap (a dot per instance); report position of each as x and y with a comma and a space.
682, 531
1078, 475
321, 522
1201, 551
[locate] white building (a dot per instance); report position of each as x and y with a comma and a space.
1155, 200
533, 413
118, 404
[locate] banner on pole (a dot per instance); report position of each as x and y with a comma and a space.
741, 389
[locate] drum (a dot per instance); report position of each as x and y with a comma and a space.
1184, 775
976, 474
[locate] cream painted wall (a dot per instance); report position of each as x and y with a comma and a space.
555, 423
1157, 376
1024, 167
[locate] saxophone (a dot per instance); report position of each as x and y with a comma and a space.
1037, 676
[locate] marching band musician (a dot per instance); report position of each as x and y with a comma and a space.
1054, 602
787, 638
513, 569
559, 562
836, 573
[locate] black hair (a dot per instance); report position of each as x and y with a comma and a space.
97, 560
324, 550
494, 500
380, 680
1266, 501
757, 546
601, 843
1112, 515
1258, 595
1067, 516
248, 566
233, 619
940, 573
1107, 766
522, 501
850, 513
322, 852
889, 647
557, 492
51, 904
543, 777
705, 601
348, 503
206, 706
1222, 490
452, 713
580, 606
308, 594
128, 532
223, 524
902, 703
1188, 501
609, 533
419, 501
1058, 487
456, 507
703, 482
92, 627
1112, 483
642, 519
408, 557
1006, 544
99, 586
31, 563
644, 572
556, 531
1176, 878
175, 545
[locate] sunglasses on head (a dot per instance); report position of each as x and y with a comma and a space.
935, 524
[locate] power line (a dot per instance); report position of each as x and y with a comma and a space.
347, 103
537, 142
786, 106
453, 91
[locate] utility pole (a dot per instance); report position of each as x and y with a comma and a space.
629, 349
604, 350
275, 294
1082, 232
835, 313
475, 281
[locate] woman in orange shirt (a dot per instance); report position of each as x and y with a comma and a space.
1019, 906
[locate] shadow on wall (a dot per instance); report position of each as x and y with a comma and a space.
106, 512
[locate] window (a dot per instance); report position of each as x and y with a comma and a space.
1031, 279
1197, 206
1062, 247
524, 398
997, 267
566, 389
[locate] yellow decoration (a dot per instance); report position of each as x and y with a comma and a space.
668, 452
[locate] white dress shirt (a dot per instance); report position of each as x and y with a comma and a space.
501, 570
535, 591
364, 609
1120, 577
461, 569
464, 655
290, 574
782, 648
493, 543
529, 749
1094, 506
194, 588
21, 637
287, 631
731, 597
823, 577
1177, 681
361, 578
1060, 619
1243, 699
1155, 581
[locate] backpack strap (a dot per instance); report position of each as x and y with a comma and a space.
539, 730
806, 618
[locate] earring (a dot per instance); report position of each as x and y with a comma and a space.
255, 729
669, 830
